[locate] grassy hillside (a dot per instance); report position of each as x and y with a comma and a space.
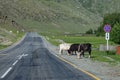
58, 16
10, 32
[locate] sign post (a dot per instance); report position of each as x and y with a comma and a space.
107, 29
107, 38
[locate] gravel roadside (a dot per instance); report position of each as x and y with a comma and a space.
101, 69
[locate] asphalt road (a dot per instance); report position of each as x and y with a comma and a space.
30, 59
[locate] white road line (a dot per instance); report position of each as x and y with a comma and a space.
20, 57
9, 69
15, 62
25, 54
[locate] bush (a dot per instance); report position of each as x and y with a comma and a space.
110, 19
115, 33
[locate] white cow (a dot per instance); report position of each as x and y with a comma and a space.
64, 47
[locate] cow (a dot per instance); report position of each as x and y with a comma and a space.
80, 49
64, 47
73, 48
84, 48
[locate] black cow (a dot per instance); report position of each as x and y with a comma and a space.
80, 48
84, 48
73, 48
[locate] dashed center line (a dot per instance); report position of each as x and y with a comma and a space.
15, 62
9, 69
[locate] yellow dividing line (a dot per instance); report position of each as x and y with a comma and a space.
93, 76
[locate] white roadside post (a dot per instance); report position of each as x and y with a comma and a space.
107, 38
107, 29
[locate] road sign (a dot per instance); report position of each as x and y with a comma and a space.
107, 28
107, 37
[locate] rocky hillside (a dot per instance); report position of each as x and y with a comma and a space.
58, 16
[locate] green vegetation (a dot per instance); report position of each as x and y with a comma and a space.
111, 57
3, 46
111, 19
96, 41
9, 33
114, 21
115, 33
9, 40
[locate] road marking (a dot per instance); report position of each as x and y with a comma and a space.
15, 62
20, 57
9, 69
93, 76
23, 55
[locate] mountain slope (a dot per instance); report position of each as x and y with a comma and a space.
58, 16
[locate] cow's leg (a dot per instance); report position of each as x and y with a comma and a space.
82, 53
75, 53
90, 54
72, 53
78, 55
61, 51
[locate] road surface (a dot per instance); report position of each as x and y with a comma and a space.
30, 59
